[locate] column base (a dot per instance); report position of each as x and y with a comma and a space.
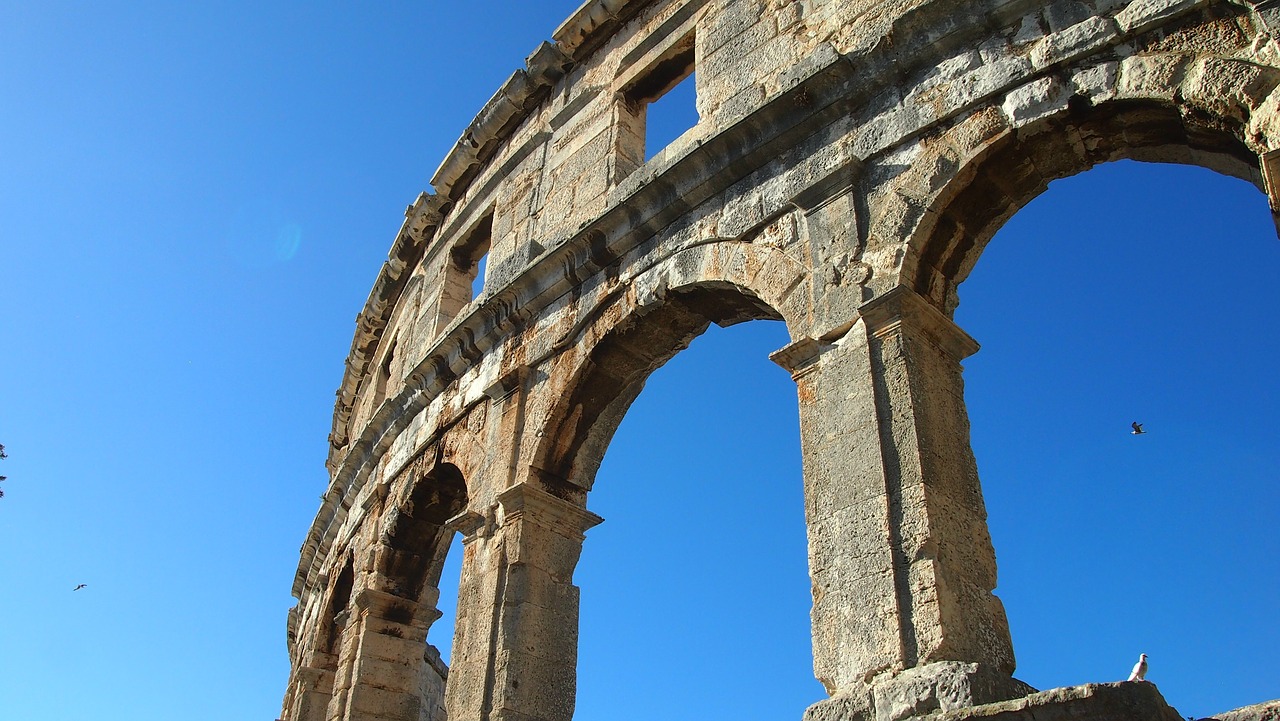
919, 691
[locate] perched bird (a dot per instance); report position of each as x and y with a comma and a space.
1139, 669
1137, 429
77, 588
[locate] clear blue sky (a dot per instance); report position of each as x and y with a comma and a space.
194, 202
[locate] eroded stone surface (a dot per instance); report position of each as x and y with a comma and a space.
1269, 711
1122, 701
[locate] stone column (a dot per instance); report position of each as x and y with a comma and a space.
528, 663
904, 620
310, 690
382, 658
467, 696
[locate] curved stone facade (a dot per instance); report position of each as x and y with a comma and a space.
850, 161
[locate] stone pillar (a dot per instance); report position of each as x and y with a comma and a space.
382, 658
904, 621
467, 695
1270, 164
310, 690
519, 664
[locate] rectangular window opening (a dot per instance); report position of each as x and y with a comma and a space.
666, 98
471, 255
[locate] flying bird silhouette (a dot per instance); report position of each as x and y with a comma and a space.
1139, 672
77, 588
1137, 429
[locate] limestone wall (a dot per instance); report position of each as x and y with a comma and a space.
850, 161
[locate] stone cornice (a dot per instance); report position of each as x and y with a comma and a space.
575, 39
383, 605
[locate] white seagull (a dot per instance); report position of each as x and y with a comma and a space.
1139, 669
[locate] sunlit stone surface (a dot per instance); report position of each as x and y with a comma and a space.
850, 162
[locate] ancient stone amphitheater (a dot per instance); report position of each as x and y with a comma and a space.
851, 160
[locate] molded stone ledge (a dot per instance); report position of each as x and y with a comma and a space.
899, 305
567, 519
798, 357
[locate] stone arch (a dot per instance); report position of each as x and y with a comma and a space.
1179, 117
416, 535
633, 334
382, 656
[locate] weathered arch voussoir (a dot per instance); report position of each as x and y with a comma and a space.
761, 271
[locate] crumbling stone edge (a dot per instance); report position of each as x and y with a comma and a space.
1119, 701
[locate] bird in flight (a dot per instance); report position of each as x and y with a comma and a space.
1139, 672
1137, 429
77, 588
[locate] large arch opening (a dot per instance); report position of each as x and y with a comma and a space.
1017, 167
1131, 292
619, 364
701, 562
695, 590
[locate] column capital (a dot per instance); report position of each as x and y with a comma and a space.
470, 524
798, 357
525, 502
899, 307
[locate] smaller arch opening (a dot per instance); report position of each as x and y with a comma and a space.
339, 599
418, 537
418, 542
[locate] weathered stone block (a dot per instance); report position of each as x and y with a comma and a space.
943, 686
1035, 101
1124, 701
1269, 711
1142, 15
1073, 42
371, 702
